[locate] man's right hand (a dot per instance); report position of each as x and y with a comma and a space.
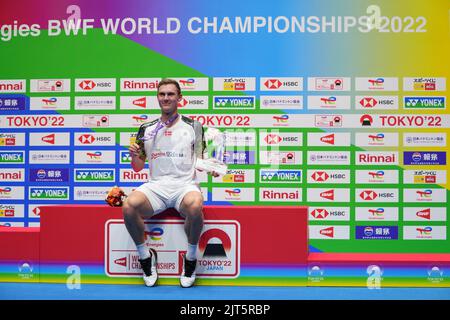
135, 150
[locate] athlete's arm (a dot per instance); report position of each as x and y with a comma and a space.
137, 162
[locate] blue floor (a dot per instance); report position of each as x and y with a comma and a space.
42, 291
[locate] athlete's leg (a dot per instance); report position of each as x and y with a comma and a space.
192, 208
135, 209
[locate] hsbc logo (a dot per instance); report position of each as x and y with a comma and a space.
87, 85
329, 139
86, 139
281, 83
368, 102
273, 84
183, 103
320, 176
320, 213
95, 85
368, 195
273, 139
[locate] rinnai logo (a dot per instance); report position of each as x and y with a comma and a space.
150, 84
121, 261
12, 86
370, 158
328, 194
141, 102
329, 139
368, 102
425, 214
320, 176
49, 138
329, 232
280, 194
272, 139
86, 139
320, 213
368, 195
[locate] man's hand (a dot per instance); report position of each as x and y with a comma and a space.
135, 150
214, 174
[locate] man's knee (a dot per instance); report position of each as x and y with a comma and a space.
132, 206
193, 207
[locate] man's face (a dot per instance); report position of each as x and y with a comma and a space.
168, 98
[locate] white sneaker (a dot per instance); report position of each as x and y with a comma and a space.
149, 268
187, 277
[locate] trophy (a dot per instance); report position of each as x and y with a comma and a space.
215, 141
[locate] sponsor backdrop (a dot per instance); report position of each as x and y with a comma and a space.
337, 105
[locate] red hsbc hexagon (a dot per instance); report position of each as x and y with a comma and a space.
87, 85
273, 84
86, 139
368, 195
272, 139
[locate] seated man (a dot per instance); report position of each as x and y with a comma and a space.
171, 144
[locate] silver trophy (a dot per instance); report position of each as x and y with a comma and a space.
215, 142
